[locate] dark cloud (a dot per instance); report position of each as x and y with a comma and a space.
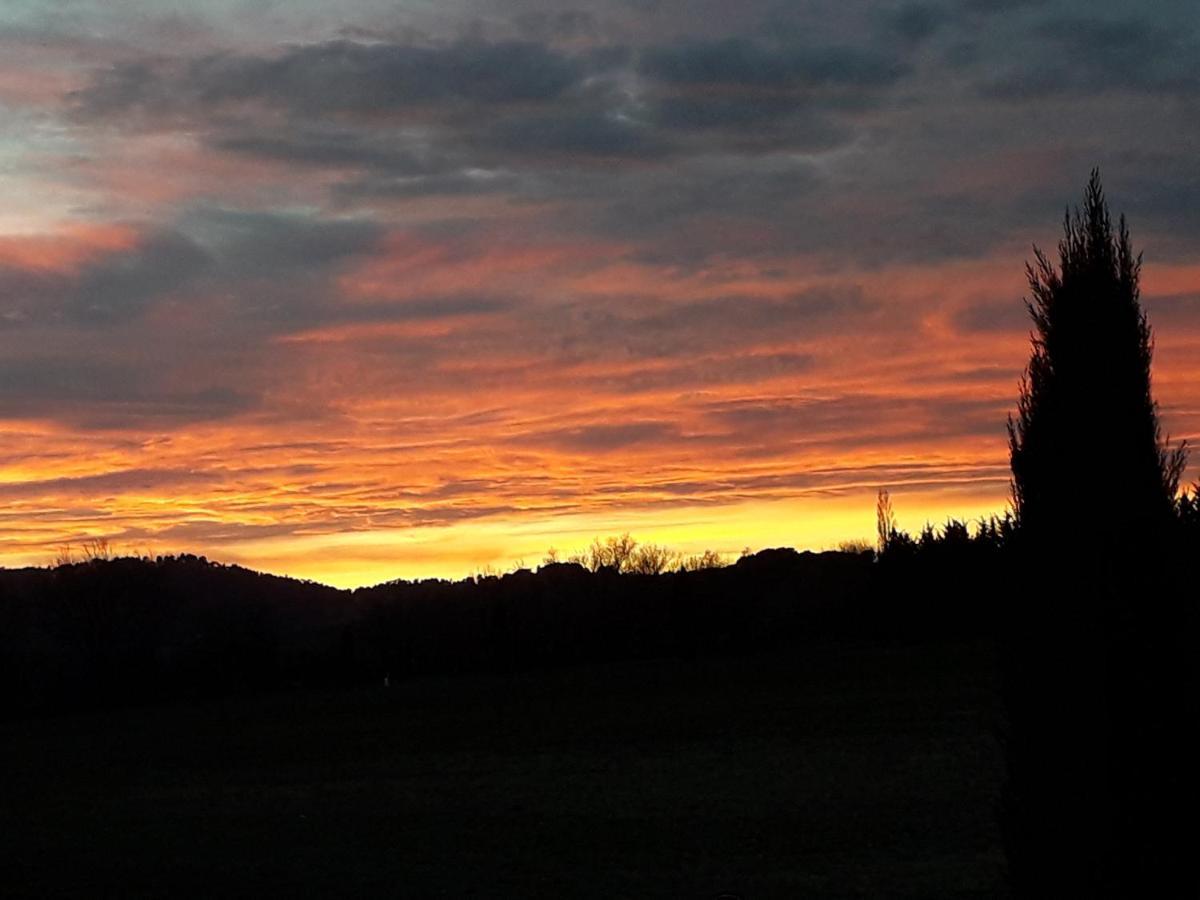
335, 77
433, 113
626, 331
774, 428
603, 438
121, 285
771, 206
316, 312
31, 295
109, 483
741, 62
991, 374
1173, 313
1167, 196
731, 315
708, 111
567, 24
481, 155
718, 369
832, 482
100, 394
472, 182
656, 205
211, 253
264, 243
333, 147
447, 307
917, 21
858, 419
589, 135
1008, 315
1089, 54
991, 7
112, 289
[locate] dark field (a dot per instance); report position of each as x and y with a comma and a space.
837, 771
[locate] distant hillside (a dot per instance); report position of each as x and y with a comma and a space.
114, 632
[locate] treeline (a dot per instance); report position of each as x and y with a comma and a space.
117, 631
104, 631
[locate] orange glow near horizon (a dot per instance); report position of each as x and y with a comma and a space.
439, 437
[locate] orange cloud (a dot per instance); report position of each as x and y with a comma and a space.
65, 249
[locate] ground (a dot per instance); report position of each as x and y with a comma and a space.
854, 770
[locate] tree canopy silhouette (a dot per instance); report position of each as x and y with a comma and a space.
1100, 707
1086, 444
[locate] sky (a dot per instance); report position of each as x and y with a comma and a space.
368, 290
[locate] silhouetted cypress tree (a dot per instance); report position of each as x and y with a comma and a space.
1097, 678
1086, 445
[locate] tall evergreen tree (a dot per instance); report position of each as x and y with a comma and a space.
1086, 445
1098, 683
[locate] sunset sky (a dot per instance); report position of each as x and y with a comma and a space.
362, 290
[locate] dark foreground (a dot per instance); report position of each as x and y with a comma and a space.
847, 771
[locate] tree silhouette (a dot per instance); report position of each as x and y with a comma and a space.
1086, 444
1099, 709
885, 521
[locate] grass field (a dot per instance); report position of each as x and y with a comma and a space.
839, 771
